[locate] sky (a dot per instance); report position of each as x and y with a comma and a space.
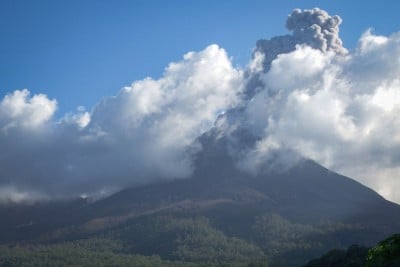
80, 51
99, 95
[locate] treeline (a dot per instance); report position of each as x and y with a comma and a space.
171, 240
385, 254
150, 241
187, 239
89, 252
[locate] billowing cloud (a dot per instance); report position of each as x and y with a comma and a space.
303, 95
339, 109
20, 110
145, 133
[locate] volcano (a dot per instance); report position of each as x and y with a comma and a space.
215, 165
289, 215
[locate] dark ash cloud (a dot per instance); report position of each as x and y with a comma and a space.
314, 28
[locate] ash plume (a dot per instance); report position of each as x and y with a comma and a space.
312, 27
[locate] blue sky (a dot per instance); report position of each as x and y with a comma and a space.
80, 51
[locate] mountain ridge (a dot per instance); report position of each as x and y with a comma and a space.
315, 205
295, 212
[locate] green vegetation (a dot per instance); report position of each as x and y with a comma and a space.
195, 240
354, 256
189, 240
386, 253
89, 252
288, 244
277, 234
148, 241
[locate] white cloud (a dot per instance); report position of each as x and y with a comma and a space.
340, 110
146, 132
12, 194
81, 118
161, 119
289, 71
18, 109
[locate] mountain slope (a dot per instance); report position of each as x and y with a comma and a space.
287, 216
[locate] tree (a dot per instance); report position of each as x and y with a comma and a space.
386, 253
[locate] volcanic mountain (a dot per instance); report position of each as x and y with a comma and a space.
230, 210
290, 215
